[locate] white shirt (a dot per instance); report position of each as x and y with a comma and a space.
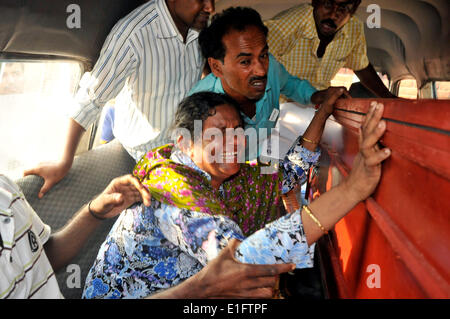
147, 67
25, 271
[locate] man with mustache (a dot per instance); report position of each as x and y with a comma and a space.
148, 63
236, 49
314, 41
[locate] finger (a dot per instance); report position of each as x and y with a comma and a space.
346, 94
378, 157
374, 120
258, 282
368, 115
104, 203
143, 192
269, 270
233, 244
370, 141
335, 94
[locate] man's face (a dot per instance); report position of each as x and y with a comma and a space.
192, 13
331, 15
244, 70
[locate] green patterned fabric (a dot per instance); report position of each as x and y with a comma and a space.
250, 198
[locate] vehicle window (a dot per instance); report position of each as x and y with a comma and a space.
35, 98
345, 77
442, 90
407, 89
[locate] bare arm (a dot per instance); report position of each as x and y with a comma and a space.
225, 277
330, 207
370, 79
120, 194
53, 172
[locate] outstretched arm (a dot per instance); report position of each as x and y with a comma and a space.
330, 207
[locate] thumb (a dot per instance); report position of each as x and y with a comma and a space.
114, 199
31, 171
335, 95
45, 188
233, 245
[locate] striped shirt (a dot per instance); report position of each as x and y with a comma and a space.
293, 40
147, 67
25, 271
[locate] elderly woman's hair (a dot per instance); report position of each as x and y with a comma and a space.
234, 18
199, 106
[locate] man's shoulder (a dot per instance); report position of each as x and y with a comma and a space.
298, 12
208, 83
143, 16
355, 25
7, 189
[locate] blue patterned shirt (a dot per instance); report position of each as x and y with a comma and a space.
157, 247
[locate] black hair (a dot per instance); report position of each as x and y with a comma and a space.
200, 106
234, 18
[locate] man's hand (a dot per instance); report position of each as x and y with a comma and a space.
225, 277
51, 172
327, 98
366, 171
121, 193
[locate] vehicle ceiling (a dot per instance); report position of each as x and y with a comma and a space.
413, 39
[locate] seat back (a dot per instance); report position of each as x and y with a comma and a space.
91, 172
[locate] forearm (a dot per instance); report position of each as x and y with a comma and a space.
74, 133
329, 208
66, 243
313, 133
370, 79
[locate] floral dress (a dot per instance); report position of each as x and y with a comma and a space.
157, 247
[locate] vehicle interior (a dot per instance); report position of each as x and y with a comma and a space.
40, 55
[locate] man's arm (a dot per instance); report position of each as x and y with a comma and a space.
225, 277
53, 172
97, 87
370, 79
120, 194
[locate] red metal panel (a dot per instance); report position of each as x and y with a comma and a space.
404, 228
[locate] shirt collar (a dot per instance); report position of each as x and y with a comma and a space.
167, 27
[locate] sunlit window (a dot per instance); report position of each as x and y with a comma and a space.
345, 77
442, 90
34, 100
408, 89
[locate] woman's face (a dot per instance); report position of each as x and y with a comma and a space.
222, 146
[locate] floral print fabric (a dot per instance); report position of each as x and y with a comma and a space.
250, 198
156, 247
